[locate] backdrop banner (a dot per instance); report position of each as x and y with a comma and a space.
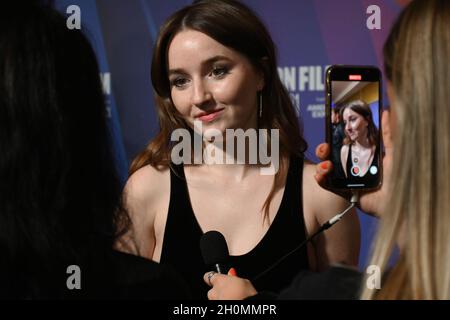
310, 35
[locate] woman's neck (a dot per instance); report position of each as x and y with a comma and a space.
362, 143
240, 147
235, 162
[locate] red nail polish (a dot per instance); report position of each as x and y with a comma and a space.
324, 165
232, 272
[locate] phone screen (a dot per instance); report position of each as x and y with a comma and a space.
353, 126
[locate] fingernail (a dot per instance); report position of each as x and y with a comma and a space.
324, 165
232, 272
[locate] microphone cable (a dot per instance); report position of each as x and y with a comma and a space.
353, 202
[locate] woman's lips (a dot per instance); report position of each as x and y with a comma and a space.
209, 116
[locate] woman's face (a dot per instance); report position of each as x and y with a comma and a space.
355, 124
212, 83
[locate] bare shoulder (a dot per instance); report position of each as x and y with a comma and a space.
147, 184
322, 202
146, 194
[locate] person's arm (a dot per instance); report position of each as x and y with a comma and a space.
142, 194
340, 243
337, 282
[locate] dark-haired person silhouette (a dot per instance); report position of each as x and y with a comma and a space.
60, 198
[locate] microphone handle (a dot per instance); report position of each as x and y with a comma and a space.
220, 268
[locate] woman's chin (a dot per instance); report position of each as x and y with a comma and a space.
213, 134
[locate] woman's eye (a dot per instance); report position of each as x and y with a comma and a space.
219, 72
179, 82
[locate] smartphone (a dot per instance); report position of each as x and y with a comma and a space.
353, 126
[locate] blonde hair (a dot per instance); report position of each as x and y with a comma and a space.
416, 55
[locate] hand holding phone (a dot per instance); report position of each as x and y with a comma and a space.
353, 113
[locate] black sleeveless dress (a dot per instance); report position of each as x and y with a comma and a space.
181, 245
368, 178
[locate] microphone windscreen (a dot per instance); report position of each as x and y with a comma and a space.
214, 248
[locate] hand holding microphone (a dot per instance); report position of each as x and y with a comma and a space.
225, 286
214, 251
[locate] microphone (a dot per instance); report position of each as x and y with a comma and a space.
214, 251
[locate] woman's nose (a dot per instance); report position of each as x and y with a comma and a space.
347, 127
200, 94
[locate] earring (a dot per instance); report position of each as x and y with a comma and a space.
260, 104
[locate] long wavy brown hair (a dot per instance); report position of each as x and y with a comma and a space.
235, 26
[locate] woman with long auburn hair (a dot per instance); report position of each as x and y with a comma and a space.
214, 64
